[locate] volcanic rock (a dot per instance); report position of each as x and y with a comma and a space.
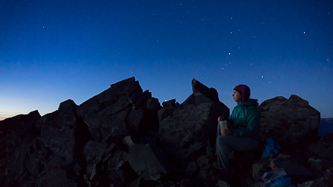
323, 148
184, 134
17, 135
288, 121
123, 137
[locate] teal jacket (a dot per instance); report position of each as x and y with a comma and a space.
246, 119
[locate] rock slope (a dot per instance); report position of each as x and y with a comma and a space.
124, 137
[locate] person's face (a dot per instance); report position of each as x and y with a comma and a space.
237, 96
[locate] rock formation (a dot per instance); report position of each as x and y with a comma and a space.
124, 137
289, 121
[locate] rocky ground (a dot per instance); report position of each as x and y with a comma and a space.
124, 137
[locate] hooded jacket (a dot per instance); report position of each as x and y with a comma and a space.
246, 119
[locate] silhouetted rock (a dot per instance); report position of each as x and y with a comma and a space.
145, 163
57, 163
168, 108
288, 121
99, 111
123, 137
57, 132
184, 134
319, 165
17, 135
323, 148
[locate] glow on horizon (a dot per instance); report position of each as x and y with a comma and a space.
28, 105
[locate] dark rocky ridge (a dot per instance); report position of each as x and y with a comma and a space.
124, 137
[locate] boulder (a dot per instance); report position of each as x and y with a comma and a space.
117, 168
56, 146
168, 108
323, 148
123, 137
58, 131
185, 132
288, 121
17, 135
182, 134
145, 162
191, 169
119, 111
55, 178
99, 111
203, 94
13, 130
319, 165
93, 152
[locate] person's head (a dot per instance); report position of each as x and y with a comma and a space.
241, 93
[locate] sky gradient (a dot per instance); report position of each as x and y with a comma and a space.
51, 51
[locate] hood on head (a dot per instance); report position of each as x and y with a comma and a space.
244, 91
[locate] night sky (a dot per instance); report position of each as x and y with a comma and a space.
51, 51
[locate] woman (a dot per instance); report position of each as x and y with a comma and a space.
243, 134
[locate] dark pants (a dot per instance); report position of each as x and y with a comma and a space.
224, 144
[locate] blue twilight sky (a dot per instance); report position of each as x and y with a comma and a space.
51, 51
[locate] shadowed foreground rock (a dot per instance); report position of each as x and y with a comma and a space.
124, 137
289, 121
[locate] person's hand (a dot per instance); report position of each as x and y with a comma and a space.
226, 132
220, 118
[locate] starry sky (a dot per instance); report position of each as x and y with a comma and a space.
51, 51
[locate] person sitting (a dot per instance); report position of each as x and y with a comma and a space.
243, 132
